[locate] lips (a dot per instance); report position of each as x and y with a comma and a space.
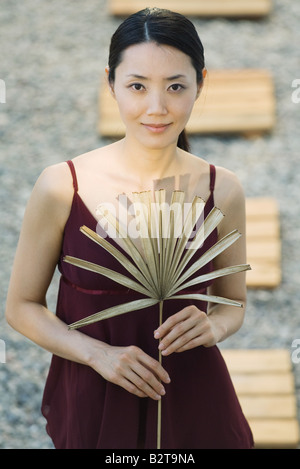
156, 128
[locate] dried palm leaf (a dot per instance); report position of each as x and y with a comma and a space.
159, 267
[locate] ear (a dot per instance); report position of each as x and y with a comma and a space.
110, 85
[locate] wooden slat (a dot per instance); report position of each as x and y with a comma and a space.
231, 8
269, 226
265, 386
267, 205
232, 101
264, 248
275, 433
256, 360
263, 275
263, 242
269, 406
264, 383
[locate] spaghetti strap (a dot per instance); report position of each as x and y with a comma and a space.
212, 169
73, 172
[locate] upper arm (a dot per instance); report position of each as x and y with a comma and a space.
230, 199
41, 236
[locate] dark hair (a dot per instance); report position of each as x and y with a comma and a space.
162, 27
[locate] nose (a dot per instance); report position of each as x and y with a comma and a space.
156, 104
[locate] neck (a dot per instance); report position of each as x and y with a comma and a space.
145, 163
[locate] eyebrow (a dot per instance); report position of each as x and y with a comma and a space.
141, 77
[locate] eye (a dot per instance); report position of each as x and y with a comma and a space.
137, 86
176, 87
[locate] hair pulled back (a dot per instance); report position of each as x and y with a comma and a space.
163, 27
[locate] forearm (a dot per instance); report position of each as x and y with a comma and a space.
40, 325
128, 367
226, 320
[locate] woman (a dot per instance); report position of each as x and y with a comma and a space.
105, 380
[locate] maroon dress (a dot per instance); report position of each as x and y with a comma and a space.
84, 411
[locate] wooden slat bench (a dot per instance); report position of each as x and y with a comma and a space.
265, 386
263, 242
232, 101
201, 8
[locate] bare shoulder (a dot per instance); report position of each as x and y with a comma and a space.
229, 192
228, 189
230, 199
53, 192
55, 182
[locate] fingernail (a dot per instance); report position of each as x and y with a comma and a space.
161, 346
156, 335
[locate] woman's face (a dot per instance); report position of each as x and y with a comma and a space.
155, 88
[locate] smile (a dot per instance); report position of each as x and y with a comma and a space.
156, 128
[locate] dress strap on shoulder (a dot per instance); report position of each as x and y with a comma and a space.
212, 169
73, 172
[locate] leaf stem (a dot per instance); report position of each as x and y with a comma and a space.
159, 402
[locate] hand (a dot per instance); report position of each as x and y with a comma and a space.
132, 369
185, 330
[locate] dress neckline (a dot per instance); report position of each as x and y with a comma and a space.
76, 188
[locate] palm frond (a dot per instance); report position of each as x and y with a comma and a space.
142, 210
121, 258
188, 226
112, 274
204, 297
211, 276
114, 311
128, 244
209, 255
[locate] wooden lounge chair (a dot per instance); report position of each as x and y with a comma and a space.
232, 101
201, 8
264, 383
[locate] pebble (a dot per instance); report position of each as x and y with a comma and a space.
52, 59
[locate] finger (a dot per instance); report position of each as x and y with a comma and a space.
155, 367
196, 342
145, 382
139, 373
184, 331
131, 387
120, 378
177, 333
171, 322
193, 327
190, 313
205, 337
134, 355
179, 342
131, 381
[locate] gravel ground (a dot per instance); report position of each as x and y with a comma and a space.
52, 58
